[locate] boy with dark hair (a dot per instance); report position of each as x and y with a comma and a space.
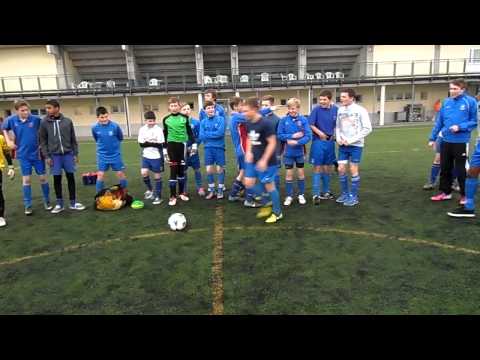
151, 140
322, 121
193, 158
260, 158
59, 146
212, 134
25, 127
177, 132
108, 135
211, 95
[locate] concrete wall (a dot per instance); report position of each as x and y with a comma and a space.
28, 62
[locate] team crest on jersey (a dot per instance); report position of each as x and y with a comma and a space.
253, 136
30, 125
110, 133
462, 107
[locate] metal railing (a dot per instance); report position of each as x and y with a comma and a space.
170, 80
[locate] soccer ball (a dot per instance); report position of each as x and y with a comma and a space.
177, 221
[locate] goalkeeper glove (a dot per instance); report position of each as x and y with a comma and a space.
165, 155
194, 149
11, 172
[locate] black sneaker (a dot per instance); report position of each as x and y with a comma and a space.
316, 200
461, 212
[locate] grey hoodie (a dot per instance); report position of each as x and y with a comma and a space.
57, 136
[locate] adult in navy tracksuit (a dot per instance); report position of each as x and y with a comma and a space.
323, 120
456, 120
295, 130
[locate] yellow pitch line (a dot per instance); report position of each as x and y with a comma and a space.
218, 260
217, 263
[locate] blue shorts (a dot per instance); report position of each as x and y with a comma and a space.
241, 162
155, 165
438, 145
350, 153
265, 177
63, 162
289, 161
116, 165
322, 152
214, 156
193, 161
475, 158
27, 165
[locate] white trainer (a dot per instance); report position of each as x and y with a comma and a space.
184, 197
148, 195
57, 209
2, 222
172, 201
288, 201
302, 200
77, 206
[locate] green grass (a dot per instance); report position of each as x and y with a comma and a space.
292, 267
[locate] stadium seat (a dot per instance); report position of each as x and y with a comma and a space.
84, 85
319, 76
292, 77
284, 77
339, 75
222, 79
110, 84
244, 79
207, 79
264, 77
154, 82
329, 75
310, 76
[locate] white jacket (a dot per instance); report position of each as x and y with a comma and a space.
353, 124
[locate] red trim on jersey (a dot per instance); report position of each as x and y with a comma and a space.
242, 132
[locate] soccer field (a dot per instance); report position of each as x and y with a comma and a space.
395, 253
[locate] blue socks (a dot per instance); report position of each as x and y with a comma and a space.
198, 178
236, 188
99, 185
434, 173
221, 179
211, 182
123, 183
275, 196
148, 183
158, 188
277, 181
470, 190
325, 182
344, 184
316, 183
249, 194
301, 186
27, 195
355, 186
46, 192
289, 187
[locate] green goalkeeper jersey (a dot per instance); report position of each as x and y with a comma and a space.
177, 128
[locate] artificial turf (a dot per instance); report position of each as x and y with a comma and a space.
317, 260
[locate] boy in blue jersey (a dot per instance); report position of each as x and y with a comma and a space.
238, 131
212, 135
295, 130
352, 127
108, 135
25, 127
322, 121
260, 158
59, 146
211, 95
193, 159
456, 120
